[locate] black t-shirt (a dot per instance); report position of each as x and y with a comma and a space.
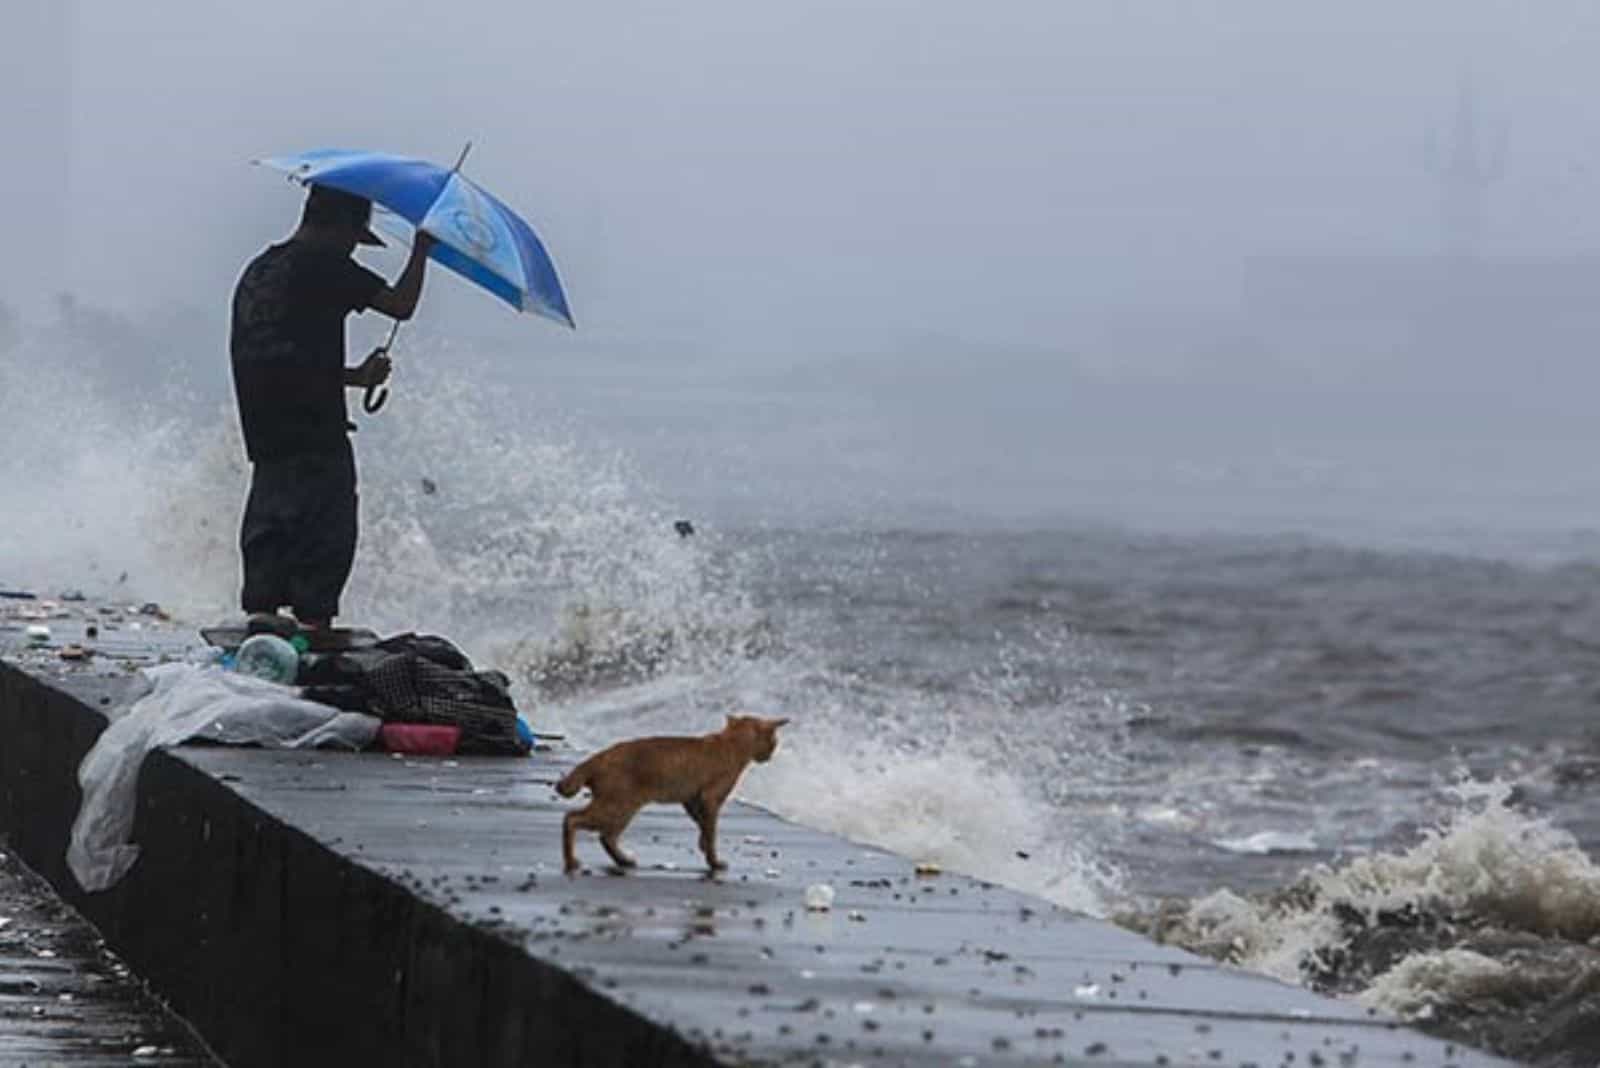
288, 347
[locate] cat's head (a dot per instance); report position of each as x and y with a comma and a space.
763, 734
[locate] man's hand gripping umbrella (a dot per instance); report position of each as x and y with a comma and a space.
454, 222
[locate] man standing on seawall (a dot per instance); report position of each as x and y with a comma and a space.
298, 535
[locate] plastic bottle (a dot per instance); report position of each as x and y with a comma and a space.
267, 656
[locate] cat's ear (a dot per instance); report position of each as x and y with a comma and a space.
774, 724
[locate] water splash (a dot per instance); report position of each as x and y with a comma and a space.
548, 557
96, 484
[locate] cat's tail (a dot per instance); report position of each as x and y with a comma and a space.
574, 780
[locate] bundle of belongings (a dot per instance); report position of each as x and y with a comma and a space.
408, 693
421, 680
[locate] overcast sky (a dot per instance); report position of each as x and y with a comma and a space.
814, 181
995, 169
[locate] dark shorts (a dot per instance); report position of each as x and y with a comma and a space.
298, 537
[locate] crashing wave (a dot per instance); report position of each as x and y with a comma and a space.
1486, 930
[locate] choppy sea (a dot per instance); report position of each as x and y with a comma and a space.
1370, 769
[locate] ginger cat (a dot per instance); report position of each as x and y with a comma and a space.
698, 773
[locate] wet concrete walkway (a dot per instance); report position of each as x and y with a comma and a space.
64, 998
902, 969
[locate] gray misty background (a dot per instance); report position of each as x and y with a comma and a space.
1281, 265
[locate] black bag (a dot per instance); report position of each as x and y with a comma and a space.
421, 679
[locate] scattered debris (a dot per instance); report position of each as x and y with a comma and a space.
819, 897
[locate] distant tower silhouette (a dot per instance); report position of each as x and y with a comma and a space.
1466, 165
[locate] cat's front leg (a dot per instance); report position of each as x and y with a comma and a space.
696, 808
708, 833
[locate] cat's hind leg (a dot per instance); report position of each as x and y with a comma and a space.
611, 825
573, 822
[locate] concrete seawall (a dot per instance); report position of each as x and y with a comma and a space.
320, 908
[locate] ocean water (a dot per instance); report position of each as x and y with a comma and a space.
1368, 767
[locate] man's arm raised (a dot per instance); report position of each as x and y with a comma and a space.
399, 301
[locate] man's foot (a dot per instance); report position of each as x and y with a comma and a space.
270, 623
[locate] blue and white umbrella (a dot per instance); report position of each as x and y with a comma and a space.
478, 236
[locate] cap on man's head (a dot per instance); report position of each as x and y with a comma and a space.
327, 206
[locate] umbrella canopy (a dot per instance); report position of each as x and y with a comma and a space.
478, 236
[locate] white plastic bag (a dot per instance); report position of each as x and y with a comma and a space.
188, 701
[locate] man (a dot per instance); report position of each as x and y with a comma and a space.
298, 536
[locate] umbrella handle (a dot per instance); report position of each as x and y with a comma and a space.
373, 399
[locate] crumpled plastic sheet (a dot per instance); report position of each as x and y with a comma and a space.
185, 701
